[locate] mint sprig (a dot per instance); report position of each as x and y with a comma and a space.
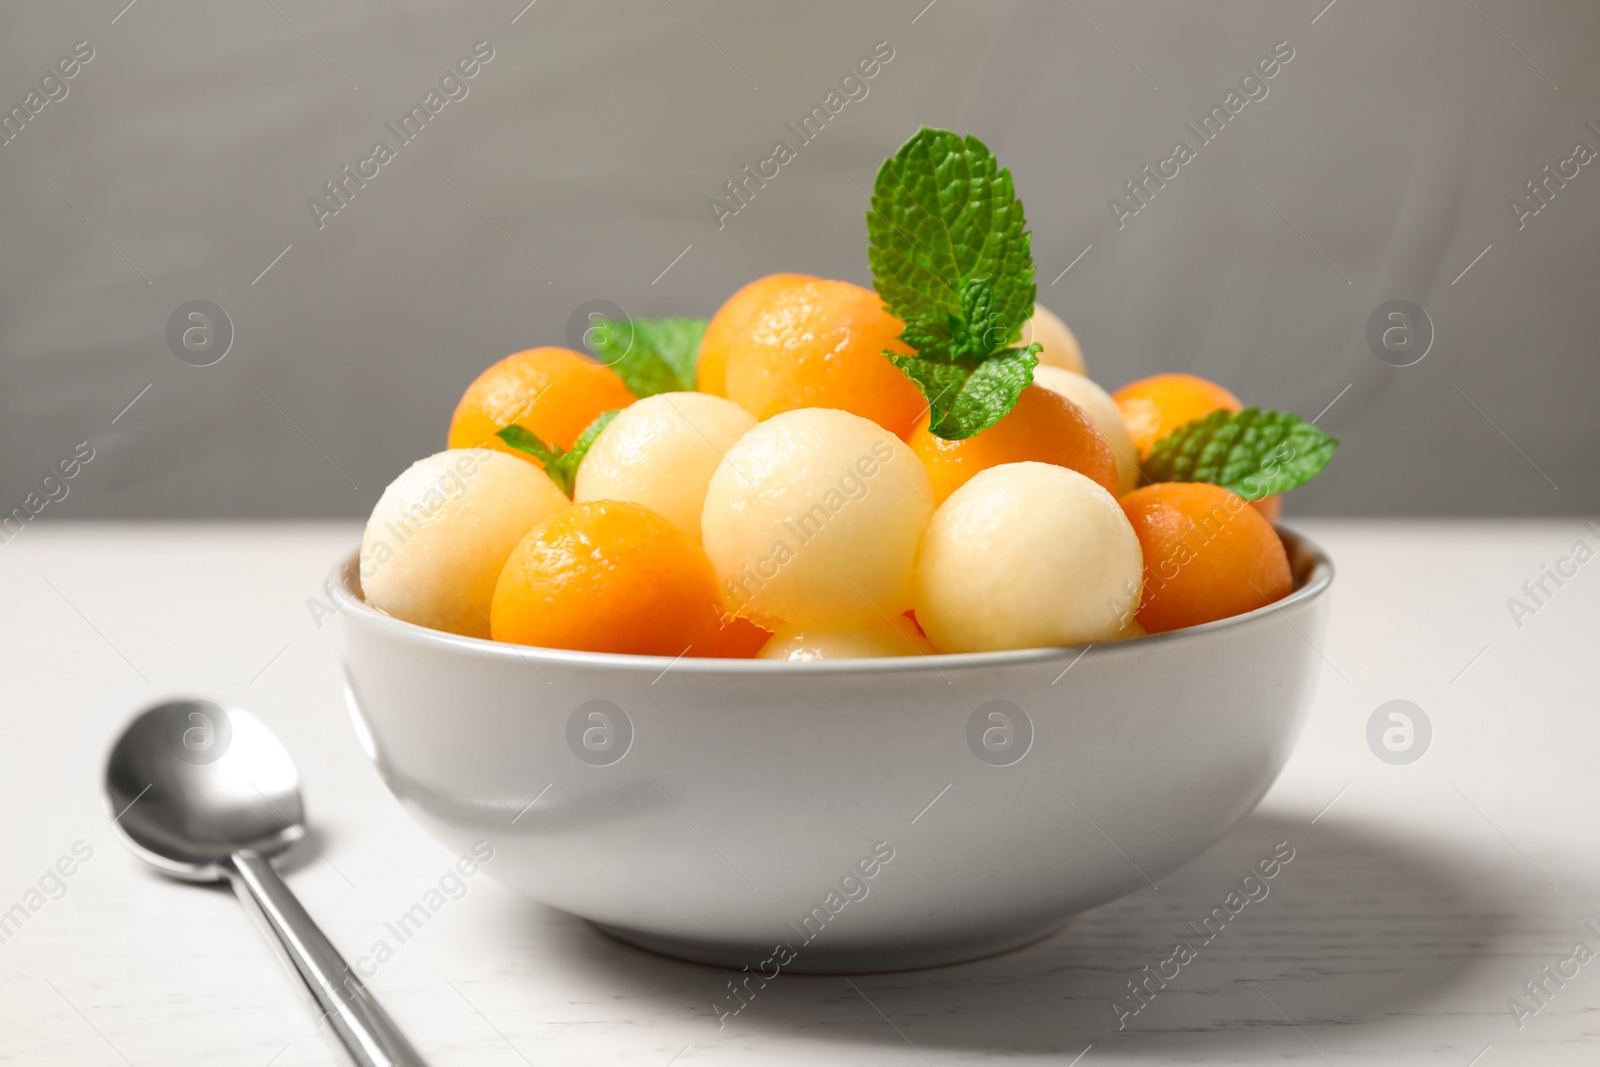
969, 398
651, 355
560, 464
949, 249
1253, 453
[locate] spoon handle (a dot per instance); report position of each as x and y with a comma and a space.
369, 1037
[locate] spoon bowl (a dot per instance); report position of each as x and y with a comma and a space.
195, 782
205, 793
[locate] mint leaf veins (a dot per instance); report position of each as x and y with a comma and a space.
650, 355
1253, 453
950, 257
560, 464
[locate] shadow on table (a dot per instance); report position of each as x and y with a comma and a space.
1357, 928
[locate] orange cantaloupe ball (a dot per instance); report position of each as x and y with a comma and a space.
1208, 555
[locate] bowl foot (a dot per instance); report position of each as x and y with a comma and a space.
818, 959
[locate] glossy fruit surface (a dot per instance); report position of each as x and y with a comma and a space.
1208, 555
1061, 347
813, 518
1098, 405
820, 344
740, 638
551, 392
435, 542
1044, 427
608, 576
731, 321
661, 452
874, 638
1026, 555
1153, 407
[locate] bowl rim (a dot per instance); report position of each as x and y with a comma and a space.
1318, 570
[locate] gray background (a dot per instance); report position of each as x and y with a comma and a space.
582, 159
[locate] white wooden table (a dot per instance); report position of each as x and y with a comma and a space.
1421, 897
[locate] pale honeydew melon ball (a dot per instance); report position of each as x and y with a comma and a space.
813, 517
863, 640
442, 531
661, 452
1098, 405
1130, 630
1027, 555
1060, 343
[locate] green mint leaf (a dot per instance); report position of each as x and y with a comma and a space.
560, 464
944, 212
580, 448
527, 441
982, 329
927, 334
950, 257
964, 400
1253, 453
939, 382
651, 355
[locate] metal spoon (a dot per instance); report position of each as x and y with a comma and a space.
204, 793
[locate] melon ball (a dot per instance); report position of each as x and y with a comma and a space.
440, 533
1098, 405
863, 640
1027, 555
813, 517
661, 452
1060, 344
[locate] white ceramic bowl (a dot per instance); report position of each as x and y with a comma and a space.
864, 815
